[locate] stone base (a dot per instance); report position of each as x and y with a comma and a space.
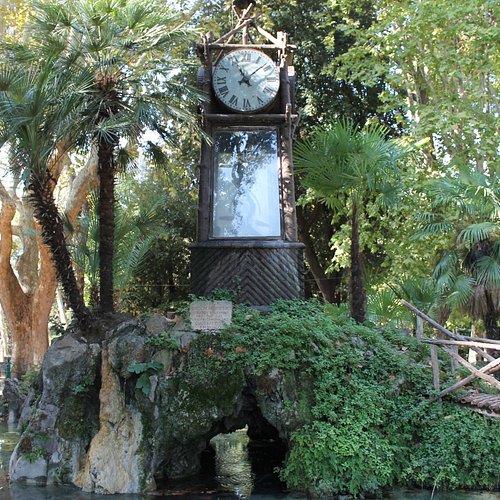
258, 272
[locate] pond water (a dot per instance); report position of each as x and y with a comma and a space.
233, 468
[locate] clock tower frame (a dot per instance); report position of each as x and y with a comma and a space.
258, 257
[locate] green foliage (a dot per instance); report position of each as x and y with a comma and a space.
32, 446
85, 386
162, 276
36, 453
370, 423
144, 370
457, 449
464, 216
437, 61
344, 166
164, 340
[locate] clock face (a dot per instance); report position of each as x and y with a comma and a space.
246, 80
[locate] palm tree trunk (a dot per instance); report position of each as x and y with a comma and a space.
490, 318
46, 213
358, 294
106, 223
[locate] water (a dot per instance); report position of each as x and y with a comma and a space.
238, 469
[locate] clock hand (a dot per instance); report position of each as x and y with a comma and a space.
245, 79
253, 72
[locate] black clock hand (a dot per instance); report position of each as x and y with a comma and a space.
245, 79
253, 72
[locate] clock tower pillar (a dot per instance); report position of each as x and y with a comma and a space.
247, 227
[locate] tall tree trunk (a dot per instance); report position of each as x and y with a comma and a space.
26, 312
325, 285
27, 295
46, 213
358, 293
106, 223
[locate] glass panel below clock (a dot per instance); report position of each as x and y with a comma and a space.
246, 195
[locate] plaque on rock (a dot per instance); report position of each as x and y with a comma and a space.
210, 314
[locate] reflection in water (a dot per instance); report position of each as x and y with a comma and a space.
246, 193
232, 464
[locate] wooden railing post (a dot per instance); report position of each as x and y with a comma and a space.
420, 327
435, 368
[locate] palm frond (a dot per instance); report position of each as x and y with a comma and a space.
475, 233
433, 229
462, 291
487, 271
384, 308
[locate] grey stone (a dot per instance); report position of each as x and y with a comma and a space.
185, 338
105, 436
127, 349
21, 469
15, 396
157, 324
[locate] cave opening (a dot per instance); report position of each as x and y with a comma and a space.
245, 452
241, 456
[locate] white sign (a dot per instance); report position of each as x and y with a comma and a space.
210, 314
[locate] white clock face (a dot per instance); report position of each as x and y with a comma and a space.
246, 80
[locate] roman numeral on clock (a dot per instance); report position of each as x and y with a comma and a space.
246, 104
233, 100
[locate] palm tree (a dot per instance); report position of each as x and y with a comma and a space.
130, 47
137, 226
39, 121
466, 214
343, 165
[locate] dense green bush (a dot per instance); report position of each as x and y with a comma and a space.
372, 423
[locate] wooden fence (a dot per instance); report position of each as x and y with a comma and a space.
484, 348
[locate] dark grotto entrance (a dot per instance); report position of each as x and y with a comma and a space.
240, 458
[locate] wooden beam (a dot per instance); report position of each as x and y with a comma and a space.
441, 328
420, 328
235, 30
268, 35
491, 367
247, 120
465, 343
259, 46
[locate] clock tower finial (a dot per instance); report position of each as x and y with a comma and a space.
242, 4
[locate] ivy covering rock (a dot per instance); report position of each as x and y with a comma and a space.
352, 404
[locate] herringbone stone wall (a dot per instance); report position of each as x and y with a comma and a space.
258, 275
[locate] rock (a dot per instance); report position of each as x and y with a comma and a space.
15, 396
127, 347
108, 430
157, 324
21, 469
61, 425
185, 338
112, 463
26, 409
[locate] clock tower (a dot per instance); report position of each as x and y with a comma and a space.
247, 227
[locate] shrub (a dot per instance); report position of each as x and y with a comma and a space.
371, 423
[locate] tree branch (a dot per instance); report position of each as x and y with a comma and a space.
85, 179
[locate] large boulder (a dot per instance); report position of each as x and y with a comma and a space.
141, 406
66, 417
